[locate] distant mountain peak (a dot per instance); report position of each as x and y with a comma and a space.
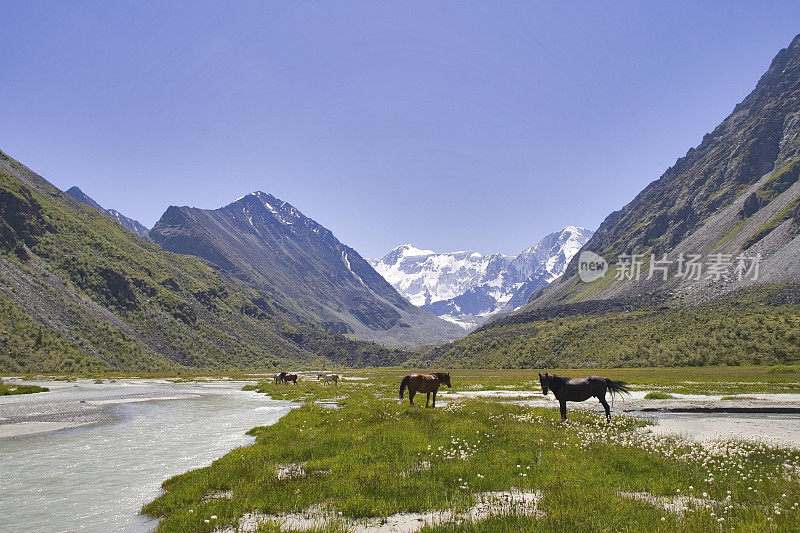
133, 225
405, 250
83, 198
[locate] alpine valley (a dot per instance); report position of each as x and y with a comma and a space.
257, 284
467, 287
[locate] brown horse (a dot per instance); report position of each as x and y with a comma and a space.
284, 377
427, 383
581, 389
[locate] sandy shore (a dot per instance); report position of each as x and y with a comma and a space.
19, 429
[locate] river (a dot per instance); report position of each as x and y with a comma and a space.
135, 434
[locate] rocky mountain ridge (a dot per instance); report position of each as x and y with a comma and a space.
133, 225
79, 293
736, 194
275, 248
701, 267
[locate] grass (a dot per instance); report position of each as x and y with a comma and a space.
8, 389
741, 329
679, 380
731, 234
779, 182
658, 396
790, 211
712, 380
376, 456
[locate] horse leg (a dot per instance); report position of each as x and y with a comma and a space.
563, 409
428, 399
605, 406
434, 399
411, 396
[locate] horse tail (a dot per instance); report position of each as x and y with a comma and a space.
617, 387
403, 385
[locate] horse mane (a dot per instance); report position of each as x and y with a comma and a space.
554, 379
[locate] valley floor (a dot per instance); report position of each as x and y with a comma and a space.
354, 458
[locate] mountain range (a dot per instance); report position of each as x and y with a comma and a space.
276, 249
81, 293
468, 287
736, 194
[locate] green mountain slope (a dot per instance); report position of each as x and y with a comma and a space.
754, 326
78, 292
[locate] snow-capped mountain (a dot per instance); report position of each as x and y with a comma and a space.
468, 287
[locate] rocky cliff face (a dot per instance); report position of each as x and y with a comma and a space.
679, 289
274, 247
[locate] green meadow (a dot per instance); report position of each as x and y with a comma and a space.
9, 389
354, 455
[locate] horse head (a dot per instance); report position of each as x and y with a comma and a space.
545, 381
444, 377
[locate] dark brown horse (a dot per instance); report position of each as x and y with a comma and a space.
427, 383
285, 377
581, 389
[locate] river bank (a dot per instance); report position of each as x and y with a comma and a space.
86, 456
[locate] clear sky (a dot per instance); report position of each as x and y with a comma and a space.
451, 125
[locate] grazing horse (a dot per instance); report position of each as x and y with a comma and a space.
285, 377
323, 377
581, 389
427, 383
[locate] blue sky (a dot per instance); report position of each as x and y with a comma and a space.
452, 125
